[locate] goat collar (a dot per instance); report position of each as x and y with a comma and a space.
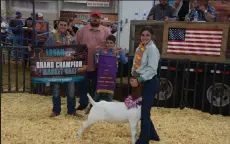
130, 102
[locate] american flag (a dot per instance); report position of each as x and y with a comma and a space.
194, 41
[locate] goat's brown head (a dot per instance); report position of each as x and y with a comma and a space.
137, 91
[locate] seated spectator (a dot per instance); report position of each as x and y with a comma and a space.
205, 11
162, 11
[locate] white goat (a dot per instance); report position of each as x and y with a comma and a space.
115, 112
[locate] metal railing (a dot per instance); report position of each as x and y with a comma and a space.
15, 76
184, 83
197, 85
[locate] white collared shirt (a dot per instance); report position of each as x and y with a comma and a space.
149, 62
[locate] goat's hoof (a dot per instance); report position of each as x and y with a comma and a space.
78, 134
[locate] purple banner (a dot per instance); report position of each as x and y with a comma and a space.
106, 76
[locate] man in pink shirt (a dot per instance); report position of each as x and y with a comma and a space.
94, 36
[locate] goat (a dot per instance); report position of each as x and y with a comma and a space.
115, 112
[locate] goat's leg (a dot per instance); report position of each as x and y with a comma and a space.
133, 127
84, 126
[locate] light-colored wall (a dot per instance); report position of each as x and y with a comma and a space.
51, 10
83, 7
127, 10
3, 9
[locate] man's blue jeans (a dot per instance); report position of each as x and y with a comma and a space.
70, 93
90, 77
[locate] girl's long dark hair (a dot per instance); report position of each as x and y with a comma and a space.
150, 30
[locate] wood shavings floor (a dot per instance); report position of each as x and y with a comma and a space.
25, 120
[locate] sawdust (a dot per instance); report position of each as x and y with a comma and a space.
25, 119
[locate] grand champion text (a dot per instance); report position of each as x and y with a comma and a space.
59, 68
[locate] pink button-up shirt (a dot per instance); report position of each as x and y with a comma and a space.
94, 39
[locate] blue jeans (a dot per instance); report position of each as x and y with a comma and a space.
103, 96
147, 128
90, 77
70, 93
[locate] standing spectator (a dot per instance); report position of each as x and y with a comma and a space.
31, 16
162, 11
177, 5
76, 24
84, 22
16, 27
70, 33
71, 28
192, 5
41, 29
4, 29
55, 27
16, 24
56, 39
27, 37
183, 10
114, 28
94, 36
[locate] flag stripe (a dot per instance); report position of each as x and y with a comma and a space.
195, 41
194, 48
193, 52
175, 49
182, 53
204, 37
197, 45
204, 32
193, 44
201, 42
204, 29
